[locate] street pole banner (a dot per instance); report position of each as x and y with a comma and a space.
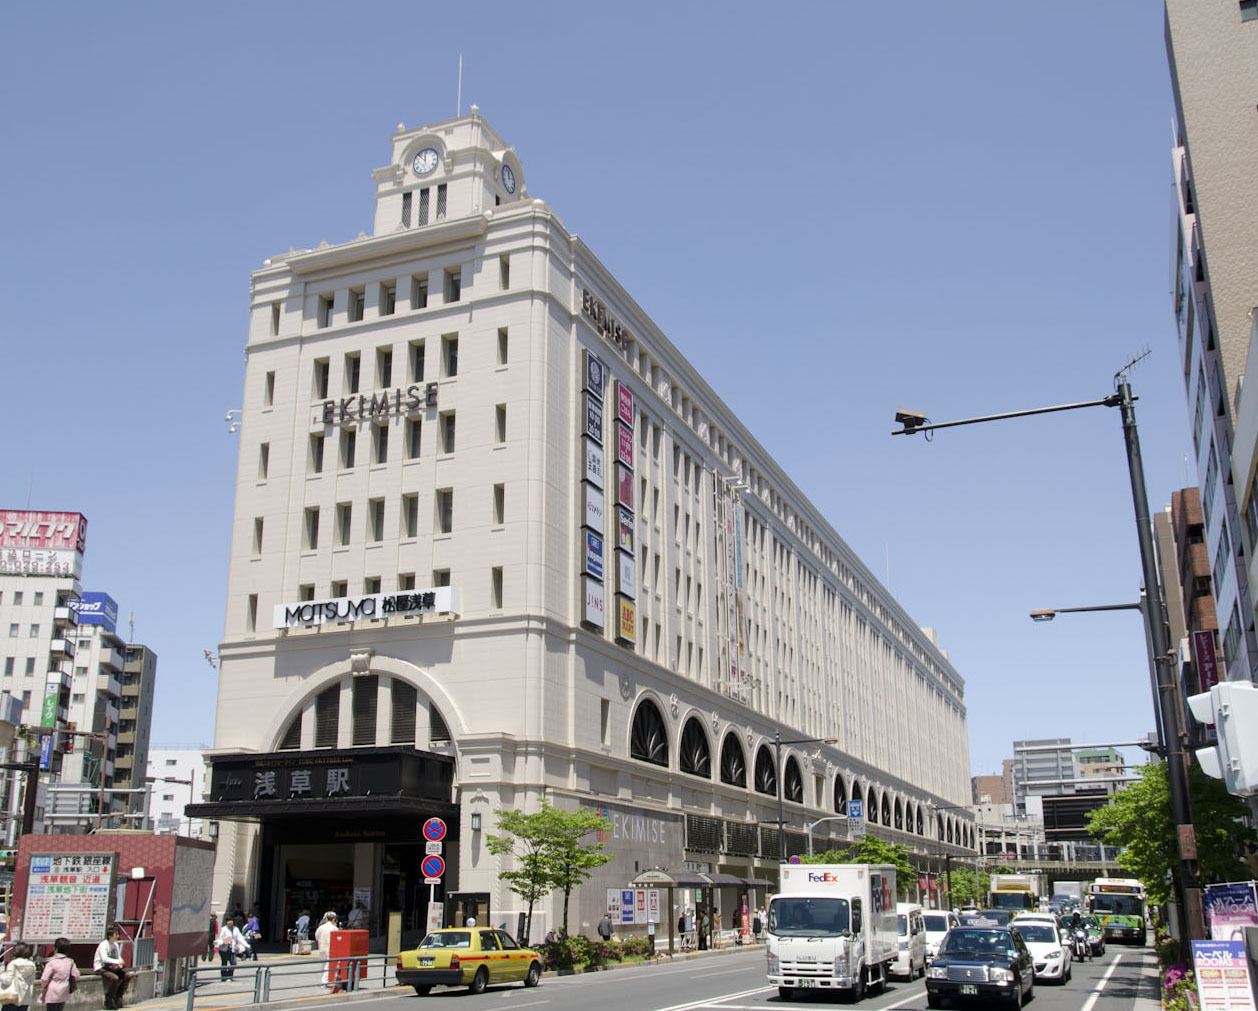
1230, 908
1222, 972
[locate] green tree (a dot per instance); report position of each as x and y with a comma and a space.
1139, 821
549, 853
869, 849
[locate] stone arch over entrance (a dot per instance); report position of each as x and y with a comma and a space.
334, 673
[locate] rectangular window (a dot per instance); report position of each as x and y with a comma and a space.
268, 390
423, 206
251, 613
406, 210
384, 367
495, 587
1222, 555
349, 446
13, 629
327, 717
1232, 639
402, 722
388, 299
257, 535
380, 440
376, 518
275, 319
321, 371
371, 584
363, 709
441, 201
357, 304
500, 504
17, 597
1249, 10
353, 370
417, 361
445, 510
450, 355
30, 665
264, 460
325, 311
316, 454
406, 581
605, 721
504, 272
306, 590
502, 345
440, 577
412, 438
312, 529
447, 432
410, 515
454, 285
340, 588
419, 291
8, 665
344, 522
500, 424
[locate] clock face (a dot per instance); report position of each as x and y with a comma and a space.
508, 179
425, 161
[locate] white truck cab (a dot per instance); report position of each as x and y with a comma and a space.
832, 926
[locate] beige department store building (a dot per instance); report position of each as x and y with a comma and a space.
496, 541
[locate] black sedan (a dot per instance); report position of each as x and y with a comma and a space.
977, 962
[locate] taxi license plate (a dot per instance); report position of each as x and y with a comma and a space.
805, 983
968, 990
426, 961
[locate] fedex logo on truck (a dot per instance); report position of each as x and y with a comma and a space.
823, 878
881, 891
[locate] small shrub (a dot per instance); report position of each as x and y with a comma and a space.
638, 947
1171, 951
581, 949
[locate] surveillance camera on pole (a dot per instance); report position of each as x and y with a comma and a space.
1232, 707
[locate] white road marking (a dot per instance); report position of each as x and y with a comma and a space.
723, 972
1088, 1004
706, 1001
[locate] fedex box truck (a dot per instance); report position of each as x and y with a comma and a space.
832, 926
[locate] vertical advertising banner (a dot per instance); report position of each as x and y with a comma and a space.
1222, 973
593, 462
1204, 657
624, 403
595, 374
594, 602
594, 418
628, 625
626, 905
1230, 909
624, 529
624, 444
624, 486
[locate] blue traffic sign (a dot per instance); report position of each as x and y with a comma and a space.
433, 866
856, 809
434, 830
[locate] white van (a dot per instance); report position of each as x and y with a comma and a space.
910, 955
938, 923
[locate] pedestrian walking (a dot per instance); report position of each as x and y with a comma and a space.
108, 964
230, 944
605, 927
323, 938
60, 977
213, 938
757, 924
704, 924
303, 925
17, 981
253, 934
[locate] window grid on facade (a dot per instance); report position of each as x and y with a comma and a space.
404, 701
311, 528
438, 730
375, 514
349, 448
502, 345
447, 432
450, 355
353, 371
495, 587
363, 708
327, 717
410, 515
500, 504
344, 522
445, 510
268, 390
417, 361
384, 367
441, 201
264, 460
257, 535
357, 305
413, 430
322, 369
316, 454
388, 299
500, 423
380, 440
454, 285
423, 205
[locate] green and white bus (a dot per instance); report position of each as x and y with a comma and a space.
1118, 904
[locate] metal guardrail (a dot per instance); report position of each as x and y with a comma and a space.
358, 972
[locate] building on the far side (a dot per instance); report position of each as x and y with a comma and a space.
176, 778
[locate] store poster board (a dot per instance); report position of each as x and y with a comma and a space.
69, 895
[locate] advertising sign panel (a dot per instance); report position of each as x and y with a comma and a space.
1230, 909
1222, 972
653, 905
369, 607
593, 507
624, 486
593, 554
639, 905
624, 403
613, 904
593, 418
626, 905
36, 543
594, 602
628, 623
68, 895
624, 529
624, 444
595, 374
626, 575
97, 609
1204, 657
593, 462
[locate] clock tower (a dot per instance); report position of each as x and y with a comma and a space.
456, 169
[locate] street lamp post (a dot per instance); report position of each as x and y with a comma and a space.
777, 762
1167, 706
813, 824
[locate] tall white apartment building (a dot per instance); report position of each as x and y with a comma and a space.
1212, 50
496, 542
176, 779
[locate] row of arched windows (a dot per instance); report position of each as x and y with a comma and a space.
648, 742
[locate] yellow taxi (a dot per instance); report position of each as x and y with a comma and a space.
473, 957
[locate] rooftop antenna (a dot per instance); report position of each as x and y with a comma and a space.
458, 110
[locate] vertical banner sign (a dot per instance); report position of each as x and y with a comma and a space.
626, 905
652, 905
1222, 972
592, 456
639, 905
731, 590
1204, 657
627, 612
593, 554
613, 904
48, 717
1230, 909
746, 918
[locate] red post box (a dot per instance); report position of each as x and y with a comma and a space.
344, 945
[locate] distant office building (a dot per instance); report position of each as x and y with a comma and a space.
135, 719
1041, 767
994, 789
176, 778
1106, 765
1214, 75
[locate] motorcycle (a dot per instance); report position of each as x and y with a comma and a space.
1079, 945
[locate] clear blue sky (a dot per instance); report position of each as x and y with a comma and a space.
834, 209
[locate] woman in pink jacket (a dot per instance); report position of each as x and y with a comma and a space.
58, 973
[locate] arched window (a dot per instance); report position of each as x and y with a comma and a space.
920, 829
840, 795
885, 817
695, 757
766, 773
327, 717
949, 831
792, 782
899, 814
291, 741
871, 807
733, 763
648, 738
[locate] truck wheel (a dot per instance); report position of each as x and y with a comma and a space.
879, 985
858, 991
478, 981
786, 992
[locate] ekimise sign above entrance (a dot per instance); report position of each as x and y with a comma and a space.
369, 607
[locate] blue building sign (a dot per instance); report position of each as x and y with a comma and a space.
97, 609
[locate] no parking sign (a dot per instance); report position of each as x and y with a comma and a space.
433, 867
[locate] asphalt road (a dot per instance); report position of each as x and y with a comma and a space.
736, 982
